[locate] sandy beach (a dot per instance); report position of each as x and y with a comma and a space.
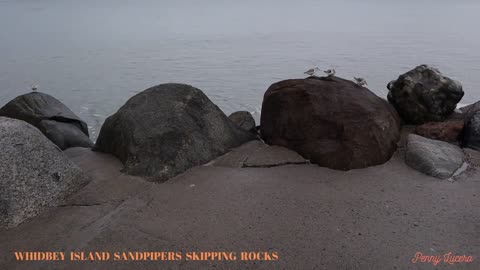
313, 217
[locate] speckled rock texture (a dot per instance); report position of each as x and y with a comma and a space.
471, 136
468, 111
34, 173
167, 129
243, 120
424, 95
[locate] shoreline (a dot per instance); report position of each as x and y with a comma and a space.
333, 177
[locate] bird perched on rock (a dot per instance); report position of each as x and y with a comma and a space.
311, 71
360, 81
330, 72
34, 88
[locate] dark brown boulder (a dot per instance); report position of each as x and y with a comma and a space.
331, 121
448, 131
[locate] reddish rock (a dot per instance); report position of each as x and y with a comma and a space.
448, 131
330, 121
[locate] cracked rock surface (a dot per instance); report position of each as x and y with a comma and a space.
260, 155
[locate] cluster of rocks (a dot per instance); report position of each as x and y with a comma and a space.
157, 134
167, 129
34, 172
427, 100
338, 124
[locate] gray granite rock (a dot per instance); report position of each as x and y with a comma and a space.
64, 135
468, 111
436, 158
52, 117
167, 129
243, 120
424, 95
34, 173
471, 133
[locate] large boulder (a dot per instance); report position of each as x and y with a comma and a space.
166, 130
57, 122
471, 136
330, 121
243, 120
34, 173
436, 158
424, 95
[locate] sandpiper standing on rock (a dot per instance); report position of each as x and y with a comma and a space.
34, 88
311, 71
360, 81
330, 72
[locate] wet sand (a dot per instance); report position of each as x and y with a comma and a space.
313, 217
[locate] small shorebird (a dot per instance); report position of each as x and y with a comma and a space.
330, 72
360, 81
311, 71
34, 88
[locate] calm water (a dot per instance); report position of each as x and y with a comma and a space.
94, 55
